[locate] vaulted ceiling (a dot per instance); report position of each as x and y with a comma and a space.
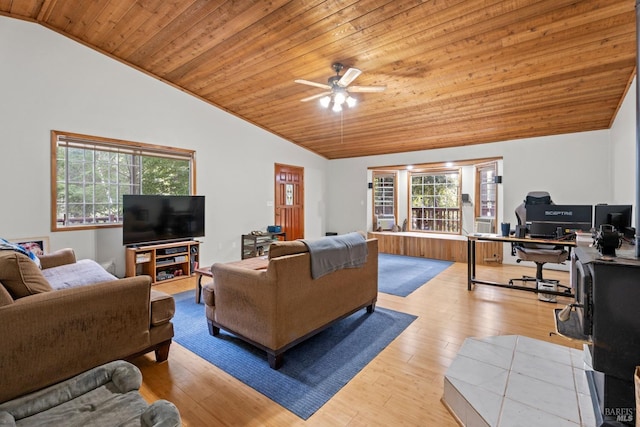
457, 72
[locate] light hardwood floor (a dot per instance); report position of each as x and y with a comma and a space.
401, 386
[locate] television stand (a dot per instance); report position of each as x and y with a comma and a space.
163, 261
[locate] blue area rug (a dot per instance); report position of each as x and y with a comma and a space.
400, 275
312, 372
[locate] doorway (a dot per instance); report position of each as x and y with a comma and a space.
289, 203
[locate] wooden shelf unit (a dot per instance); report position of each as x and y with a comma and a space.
166, 260
252, 245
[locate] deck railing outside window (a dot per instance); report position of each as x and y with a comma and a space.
441, 220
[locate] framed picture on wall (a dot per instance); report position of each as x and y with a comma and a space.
38, 245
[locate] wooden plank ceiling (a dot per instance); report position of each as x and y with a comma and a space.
458, 72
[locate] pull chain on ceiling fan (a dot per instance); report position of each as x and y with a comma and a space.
337, 94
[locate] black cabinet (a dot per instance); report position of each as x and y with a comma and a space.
608, 297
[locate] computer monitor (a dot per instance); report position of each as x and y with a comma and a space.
546, 219
619, 216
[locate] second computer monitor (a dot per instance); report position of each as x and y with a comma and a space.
619, 216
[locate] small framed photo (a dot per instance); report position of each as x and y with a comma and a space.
38, 245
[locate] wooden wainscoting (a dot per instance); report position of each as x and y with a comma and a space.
448, 247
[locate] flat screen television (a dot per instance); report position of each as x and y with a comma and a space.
619, 216
158, 219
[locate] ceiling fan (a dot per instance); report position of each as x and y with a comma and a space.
338, 88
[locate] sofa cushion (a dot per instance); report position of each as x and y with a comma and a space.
209, 294
292, 247
81, 273
103, 396
59, 257
5, 299
163, 307
287, 248
20, 275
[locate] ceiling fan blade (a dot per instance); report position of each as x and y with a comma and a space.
367, 88
310, 83
350, 75
311, 98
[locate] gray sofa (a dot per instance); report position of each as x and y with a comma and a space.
105, 396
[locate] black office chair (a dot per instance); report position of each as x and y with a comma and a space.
540, 254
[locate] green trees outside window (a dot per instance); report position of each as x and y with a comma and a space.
435, 201
92, 174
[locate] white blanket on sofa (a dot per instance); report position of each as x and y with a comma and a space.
81, 273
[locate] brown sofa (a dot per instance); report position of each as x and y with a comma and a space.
50, 335
276, 308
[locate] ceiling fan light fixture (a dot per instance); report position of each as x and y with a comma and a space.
337, 100
337, 88
325, 101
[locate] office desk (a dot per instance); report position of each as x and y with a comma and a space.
471, 259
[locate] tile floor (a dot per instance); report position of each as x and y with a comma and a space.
512, 380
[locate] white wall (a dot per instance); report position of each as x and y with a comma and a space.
51, 82
623, 153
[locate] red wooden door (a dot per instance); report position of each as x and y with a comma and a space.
289, 203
